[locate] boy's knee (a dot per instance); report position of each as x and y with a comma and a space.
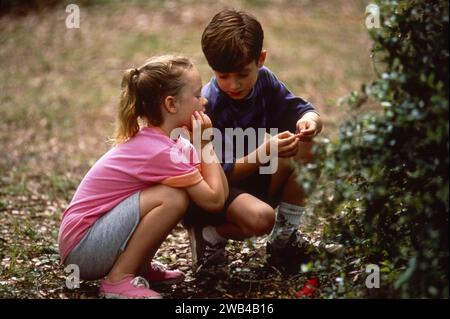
305, 153
285, 165
262, 222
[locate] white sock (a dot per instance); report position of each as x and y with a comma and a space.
287, 221
211, 235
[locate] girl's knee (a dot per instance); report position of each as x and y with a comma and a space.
176, 198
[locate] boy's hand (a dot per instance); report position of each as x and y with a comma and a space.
307, 129
286, 142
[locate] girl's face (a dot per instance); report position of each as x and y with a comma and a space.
190, 100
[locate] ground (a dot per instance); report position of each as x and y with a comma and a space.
58, 92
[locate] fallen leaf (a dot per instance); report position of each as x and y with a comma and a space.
309, 289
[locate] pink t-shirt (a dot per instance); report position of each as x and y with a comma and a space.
148, 158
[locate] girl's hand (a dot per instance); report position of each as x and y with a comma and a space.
201, 123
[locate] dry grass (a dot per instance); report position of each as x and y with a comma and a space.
59, 87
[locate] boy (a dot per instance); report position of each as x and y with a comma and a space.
245, 94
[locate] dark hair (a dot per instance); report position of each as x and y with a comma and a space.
231, 40
144, 90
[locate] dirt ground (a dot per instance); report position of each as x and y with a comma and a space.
58, 92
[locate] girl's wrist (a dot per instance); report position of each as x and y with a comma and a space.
208, 155
205, 142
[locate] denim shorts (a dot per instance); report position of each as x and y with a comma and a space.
99, 249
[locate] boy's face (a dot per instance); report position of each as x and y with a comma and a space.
237, 85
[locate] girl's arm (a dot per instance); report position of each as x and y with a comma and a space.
211, 193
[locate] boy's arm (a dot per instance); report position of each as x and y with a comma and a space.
284, 144
242, 168
308, 126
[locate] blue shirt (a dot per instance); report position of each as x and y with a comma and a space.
268, 105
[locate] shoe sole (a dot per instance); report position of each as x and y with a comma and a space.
168, 282
193, 243
117, 296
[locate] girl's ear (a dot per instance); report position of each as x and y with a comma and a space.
170, 104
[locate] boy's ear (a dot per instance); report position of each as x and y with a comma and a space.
170, 104
262, 58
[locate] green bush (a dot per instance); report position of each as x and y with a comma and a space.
384, 185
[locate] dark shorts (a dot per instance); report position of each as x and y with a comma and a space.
256, 185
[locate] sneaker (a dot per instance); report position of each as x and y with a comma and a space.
204, 254
159, 274
317, 247
298, 250
331, 249
289, 257
128, 288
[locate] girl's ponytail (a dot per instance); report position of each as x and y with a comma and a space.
127, 118
144, 90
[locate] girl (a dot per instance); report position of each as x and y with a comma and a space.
132, 198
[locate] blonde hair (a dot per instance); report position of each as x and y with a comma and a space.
144, 90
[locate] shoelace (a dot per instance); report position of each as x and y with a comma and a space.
140, 282
302, 242
298, 241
